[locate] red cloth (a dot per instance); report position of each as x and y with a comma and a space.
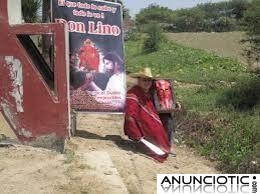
89, 56
142, 120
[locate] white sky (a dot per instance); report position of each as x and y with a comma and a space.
135, 5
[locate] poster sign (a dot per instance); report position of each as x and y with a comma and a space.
97, 70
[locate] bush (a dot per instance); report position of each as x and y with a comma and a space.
243, 96
154, 38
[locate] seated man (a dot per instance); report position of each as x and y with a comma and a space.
141, 118
142, 121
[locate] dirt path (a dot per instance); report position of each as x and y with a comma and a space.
25, 169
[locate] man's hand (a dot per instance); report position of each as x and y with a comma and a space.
88, 80
177, 107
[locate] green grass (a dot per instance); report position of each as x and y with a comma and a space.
221, 116
183, 64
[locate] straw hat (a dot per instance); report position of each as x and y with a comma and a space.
145, 73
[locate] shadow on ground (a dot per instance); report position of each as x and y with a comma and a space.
124, 144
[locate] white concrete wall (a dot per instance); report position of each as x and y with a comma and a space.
14, 12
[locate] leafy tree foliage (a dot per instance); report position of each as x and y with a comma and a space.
154, 13
30, 10
237, 8
220, 17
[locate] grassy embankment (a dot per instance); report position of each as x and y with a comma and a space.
220, 118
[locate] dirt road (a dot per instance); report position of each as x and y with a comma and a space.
99, 159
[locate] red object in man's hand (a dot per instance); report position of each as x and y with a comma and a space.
164, 93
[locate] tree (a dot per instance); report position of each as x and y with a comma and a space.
251, 25
30, 10
222, 16
154, 13
237, 8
